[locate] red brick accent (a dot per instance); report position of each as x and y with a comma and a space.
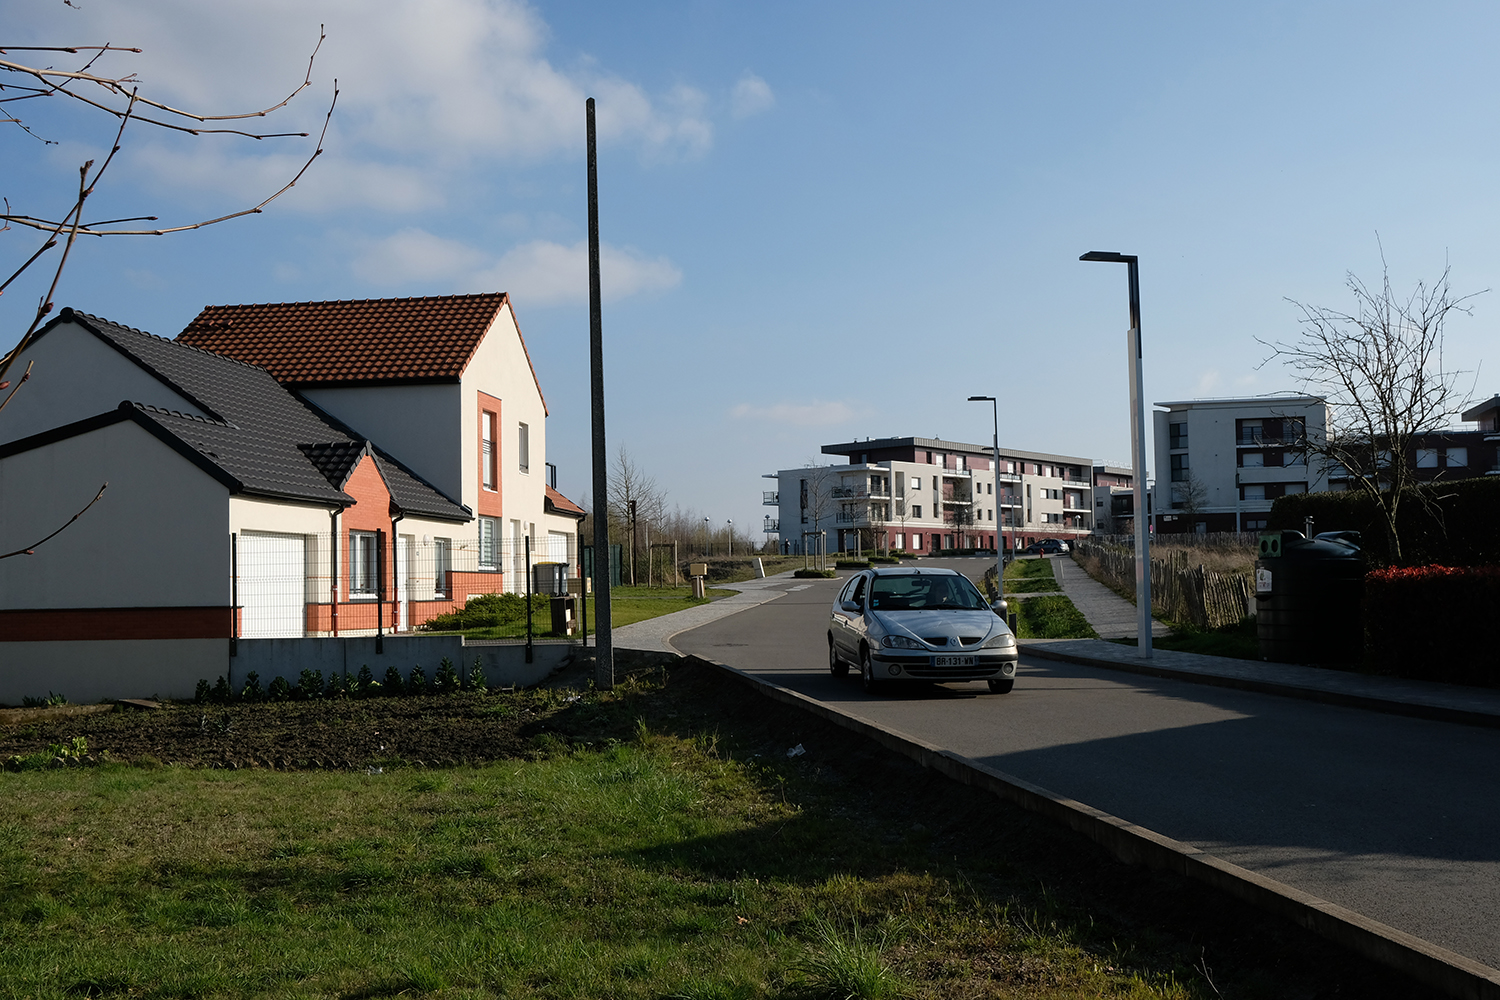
50, 624
491, 502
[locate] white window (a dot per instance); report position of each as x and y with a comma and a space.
1292, 488
1458, 458
363, 562
487, 432
1255, 491
900, 540
1427, 458
488, 557
1253, 459
916, 483
523, 448
442, 566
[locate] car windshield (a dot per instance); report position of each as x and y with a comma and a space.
924, 593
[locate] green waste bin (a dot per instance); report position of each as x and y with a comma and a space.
1307, 597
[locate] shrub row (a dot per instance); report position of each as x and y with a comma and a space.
1431, 623
489, 610
311, 685
1448, 524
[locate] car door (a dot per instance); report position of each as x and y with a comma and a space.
848, 624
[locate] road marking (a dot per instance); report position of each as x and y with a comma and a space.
800, 586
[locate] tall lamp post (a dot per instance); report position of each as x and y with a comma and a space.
999, 517
730, 524
1137, 448
706, 550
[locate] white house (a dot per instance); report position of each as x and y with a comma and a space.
239, 506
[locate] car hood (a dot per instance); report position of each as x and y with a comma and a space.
945, 623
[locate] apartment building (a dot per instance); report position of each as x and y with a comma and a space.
927, 494
1221, 463
1114, 499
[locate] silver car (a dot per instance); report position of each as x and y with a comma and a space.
909, 624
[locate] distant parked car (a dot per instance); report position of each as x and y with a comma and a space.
1034, 549
1053, 546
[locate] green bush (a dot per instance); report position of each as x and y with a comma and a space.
489, 610
1427, 623
393, 684
852, 564
1449, 524
821, 574
477, 681
445, 680
279, 690
416, 681
251, 690
309, 685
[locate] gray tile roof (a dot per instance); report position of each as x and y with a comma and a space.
270, 439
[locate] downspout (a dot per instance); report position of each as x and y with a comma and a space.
396, 518
333, 570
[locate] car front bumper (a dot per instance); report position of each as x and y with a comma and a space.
901, 665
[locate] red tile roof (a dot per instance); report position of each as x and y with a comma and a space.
369, 341
563, 505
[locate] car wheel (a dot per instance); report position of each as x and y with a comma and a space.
836, 666
1001, 687
867, 674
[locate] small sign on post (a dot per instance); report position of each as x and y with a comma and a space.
697, 571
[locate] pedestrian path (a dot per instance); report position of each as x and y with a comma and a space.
654, 634
1107, 613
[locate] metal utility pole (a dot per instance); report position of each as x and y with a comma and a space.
1137, 448
999, 516
604, 646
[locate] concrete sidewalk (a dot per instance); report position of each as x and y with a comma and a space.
1107, 613
654, 634
1393, 695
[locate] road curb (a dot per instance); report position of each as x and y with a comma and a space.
1422, 960
1415, 710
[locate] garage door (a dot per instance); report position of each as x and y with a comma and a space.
272, 574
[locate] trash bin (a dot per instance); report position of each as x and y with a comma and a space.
1307, 597
564, 615
549, 578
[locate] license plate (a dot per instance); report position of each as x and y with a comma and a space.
953, 661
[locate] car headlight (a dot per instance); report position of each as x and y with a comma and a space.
1002, 641
900, 642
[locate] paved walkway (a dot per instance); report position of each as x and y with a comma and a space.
1111, 615
653, 634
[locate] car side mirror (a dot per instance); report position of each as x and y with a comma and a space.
852, 606
1001, 608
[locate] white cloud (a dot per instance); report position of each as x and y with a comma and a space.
537, 273
1206, 382
751, 96
818, 414
546, 273
415, 255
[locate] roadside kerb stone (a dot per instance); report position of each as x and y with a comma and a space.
1424, 961
1392, 695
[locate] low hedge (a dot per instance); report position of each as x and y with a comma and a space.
852, 564
822, 574
1432, 623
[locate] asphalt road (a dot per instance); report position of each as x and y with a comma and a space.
1395, 818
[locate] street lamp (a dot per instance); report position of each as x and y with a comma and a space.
999, 517
1137, 448
730, 523
706, 550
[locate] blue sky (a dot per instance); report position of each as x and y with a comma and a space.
821, 221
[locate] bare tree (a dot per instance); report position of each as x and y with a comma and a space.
119, 98
1382, 372
635, 501
1190, 495
815, 497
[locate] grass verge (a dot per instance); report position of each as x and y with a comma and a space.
1051, 617
1238, 641
655, 841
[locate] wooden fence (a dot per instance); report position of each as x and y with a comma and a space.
1179, 592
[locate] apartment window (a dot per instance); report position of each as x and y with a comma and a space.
1249, 432
1254, 491
900, 540
989, 515
442, 566
1255, 524
916, 484
916, 510
1458, 458
364, 558
488, 555
1177, 435
487, 432
1179, 468
523, 448
1250, 459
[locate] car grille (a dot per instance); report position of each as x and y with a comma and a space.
985, 669
969, 640
935, 640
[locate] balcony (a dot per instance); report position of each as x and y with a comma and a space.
848, 493
772, 524
1010, 477
771, 499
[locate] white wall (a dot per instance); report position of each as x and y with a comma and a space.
418, 424
76, 375
158, 538
85, 672
499, 368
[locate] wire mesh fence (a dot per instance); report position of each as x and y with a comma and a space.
364, 582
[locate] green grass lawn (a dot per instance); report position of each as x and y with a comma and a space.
1238, 641
1030, 569
627, 605
653, 842
1052, 617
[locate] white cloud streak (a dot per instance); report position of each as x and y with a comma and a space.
537, 273
751, 96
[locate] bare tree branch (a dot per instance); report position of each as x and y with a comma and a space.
30, 550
